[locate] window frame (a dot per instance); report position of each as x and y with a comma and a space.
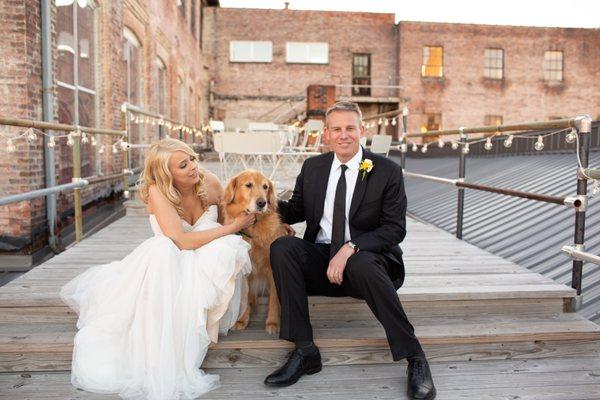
252, 58
308, 59
425, 66
489, 69
549, 71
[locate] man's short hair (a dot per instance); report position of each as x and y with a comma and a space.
344, 106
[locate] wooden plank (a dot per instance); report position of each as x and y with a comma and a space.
523, 379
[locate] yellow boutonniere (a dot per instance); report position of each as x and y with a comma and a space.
365, 167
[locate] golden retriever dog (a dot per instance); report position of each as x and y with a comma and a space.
251, 191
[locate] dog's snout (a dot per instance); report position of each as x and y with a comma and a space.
261, 203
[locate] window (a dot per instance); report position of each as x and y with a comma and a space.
161, 87
493, 63
76, 87
361, 74
248, 51
432, 122
553, 66
492, 120
132, 56
432, 61
310, 53
181, 97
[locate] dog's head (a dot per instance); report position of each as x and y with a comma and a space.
251, 191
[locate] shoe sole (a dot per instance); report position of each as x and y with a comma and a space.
308, 372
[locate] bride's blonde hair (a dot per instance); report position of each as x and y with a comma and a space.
156, 172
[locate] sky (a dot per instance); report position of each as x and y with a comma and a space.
553, 13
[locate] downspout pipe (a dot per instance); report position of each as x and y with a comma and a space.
48, 115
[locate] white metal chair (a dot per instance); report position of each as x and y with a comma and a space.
311, 128
263, 127
217, 126
236, 124
363, 141
380, 144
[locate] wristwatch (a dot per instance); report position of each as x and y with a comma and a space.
352, 245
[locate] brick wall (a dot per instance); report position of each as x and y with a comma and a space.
162, 29
249, 90
463, 96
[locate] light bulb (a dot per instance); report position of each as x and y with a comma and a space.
84, 138
508, 141
380, 121
415, 147
424, 148
488, 144
539, 145
441, 143
124, 145
454, 145
571, 136
10, 147
51, 142
115, 150
465, 148
387, 122
102, 148
31, 136
394, 121
70, 141
94, 143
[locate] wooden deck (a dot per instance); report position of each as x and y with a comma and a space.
491, 329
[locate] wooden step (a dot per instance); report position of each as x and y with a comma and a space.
354, 337
570, 378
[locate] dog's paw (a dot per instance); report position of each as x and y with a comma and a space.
271, 328
238, 326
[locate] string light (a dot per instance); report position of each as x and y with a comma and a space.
51, 142
70, 141
115, 150
488, 144
84, 138
394, 121
380, 121
424, 148
441, 143
31, 136
571, 136
387, 122
539, 145
454, 145
508, 141
10, 147
93, 141
415, 147
465, 148
101, 150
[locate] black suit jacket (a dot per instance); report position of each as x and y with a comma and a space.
377, 215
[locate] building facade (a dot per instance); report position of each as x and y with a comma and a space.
191, 60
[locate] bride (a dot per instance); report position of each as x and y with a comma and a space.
145, 322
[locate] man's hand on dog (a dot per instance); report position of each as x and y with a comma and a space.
335, 271
289, 231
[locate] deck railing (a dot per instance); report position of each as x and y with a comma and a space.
76, 134
580, 126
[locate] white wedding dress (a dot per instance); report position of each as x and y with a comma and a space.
145, 322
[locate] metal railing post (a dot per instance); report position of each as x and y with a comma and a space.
460, 208
584, 128
403, 144
76, 137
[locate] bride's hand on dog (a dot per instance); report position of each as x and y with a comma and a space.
243, 221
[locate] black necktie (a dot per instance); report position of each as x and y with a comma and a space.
338, 228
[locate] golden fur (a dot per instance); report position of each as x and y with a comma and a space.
242, 194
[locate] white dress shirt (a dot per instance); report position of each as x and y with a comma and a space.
326, 223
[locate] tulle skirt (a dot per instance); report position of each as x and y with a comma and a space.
145, 322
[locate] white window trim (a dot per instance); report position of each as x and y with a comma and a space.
252, 59
306, 61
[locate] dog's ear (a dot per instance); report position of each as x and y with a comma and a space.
271, 197
229, 193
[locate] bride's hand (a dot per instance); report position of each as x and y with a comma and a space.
243, 221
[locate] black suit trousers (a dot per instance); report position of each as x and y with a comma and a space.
300, 270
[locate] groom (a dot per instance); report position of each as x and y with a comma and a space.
354, 205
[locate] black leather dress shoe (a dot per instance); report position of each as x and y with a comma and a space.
300, 362
420, 382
